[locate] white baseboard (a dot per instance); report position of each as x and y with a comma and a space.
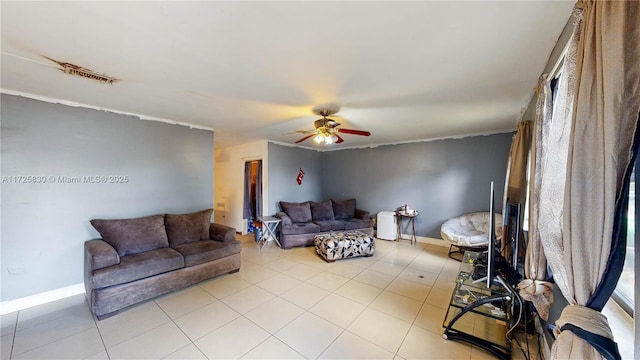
427, 240
431, 241
10, 306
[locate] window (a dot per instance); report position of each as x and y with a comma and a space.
624, 292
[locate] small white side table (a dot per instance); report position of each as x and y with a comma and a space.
269, 230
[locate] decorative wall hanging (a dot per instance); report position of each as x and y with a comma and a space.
300, 176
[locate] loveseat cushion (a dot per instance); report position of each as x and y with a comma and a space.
322, 211
199, 252
300, 228
344, 209
185, 228
138, 266
329, 225
298, 212
133, 236
353, 224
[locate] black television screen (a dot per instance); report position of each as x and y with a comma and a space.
491, 251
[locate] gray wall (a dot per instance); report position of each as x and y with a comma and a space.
284, 163
441, 179
169, 168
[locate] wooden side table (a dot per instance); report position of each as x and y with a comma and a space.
401, 215
269, 230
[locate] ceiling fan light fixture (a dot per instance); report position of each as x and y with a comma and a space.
326, 130
328, 140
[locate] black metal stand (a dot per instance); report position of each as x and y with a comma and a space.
458, 254
452, 334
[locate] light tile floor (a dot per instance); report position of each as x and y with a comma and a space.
283, 304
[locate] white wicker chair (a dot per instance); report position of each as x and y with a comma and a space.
469, 232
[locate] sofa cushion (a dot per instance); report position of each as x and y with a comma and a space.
185, 228
298, 212
132, 236
322, 211
344, 209
199, 252
300, 228
353, 224
329, 225
138, 266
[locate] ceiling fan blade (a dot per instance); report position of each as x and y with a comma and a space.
354, 132
304, 138
299, 132
339, 138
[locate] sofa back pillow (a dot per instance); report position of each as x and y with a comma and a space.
322, 211
132, 236
344, 209
298, 212
186, 228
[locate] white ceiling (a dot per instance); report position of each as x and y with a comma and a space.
254, 70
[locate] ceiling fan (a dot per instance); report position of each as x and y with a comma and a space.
326, 130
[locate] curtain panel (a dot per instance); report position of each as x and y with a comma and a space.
534, 288
516, 183
247, 213
591, 147
259, 190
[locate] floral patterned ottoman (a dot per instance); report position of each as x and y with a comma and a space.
344, 244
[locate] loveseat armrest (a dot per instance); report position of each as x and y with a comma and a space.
99, 254
222, 233
286, 220
362, 214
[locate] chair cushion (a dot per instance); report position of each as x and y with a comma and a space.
138, 266
344, 209
298, 212
329, 225
470, 229
199, 252
185, 228
133, 236
322, 211
300, 228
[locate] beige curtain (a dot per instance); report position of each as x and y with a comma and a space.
516, 181
517, 184
590, 137
533, 288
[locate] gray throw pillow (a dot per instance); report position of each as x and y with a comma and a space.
132, 236
344, 209
298, 212
322, 211
186, 228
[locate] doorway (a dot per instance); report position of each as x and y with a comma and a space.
252, 207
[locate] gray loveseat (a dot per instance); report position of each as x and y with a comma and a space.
139, 259
301, 222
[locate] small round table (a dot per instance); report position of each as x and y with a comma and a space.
411, 216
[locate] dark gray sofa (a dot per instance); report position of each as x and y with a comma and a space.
139, 259
301, 222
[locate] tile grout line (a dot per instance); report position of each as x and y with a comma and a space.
95, 321
50, 342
